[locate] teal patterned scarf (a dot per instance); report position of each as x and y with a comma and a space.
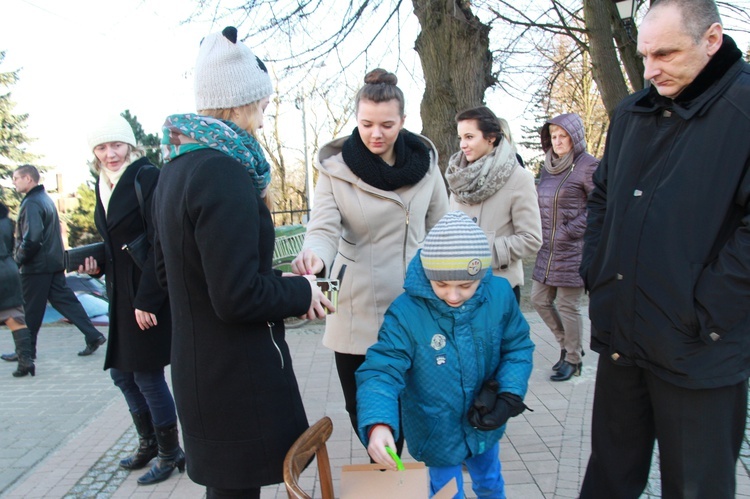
189, 132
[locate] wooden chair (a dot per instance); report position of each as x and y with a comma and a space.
311, 443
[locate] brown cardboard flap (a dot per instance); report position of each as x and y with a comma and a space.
373, 481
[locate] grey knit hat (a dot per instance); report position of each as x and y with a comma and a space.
456, 249
111, 129
227, 73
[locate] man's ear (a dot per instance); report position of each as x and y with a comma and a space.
714, 37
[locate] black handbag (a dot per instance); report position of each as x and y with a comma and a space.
76, 256
138, 247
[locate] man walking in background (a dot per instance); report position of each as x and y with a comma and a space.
667, 263
39, 255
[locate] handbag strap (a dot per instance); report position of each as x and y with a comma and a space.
139, 195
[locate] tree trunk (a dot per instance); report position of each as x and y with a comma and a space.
606, 67
453, 48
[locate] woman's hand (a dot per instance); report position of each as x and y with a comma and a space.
319, 302
307, 263
380, 437
90, 266
145, 319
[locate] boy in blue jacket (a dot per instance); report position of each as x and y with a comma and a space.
455, 348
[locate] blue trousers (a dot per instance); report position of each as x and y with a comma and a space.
484, 469
147, 391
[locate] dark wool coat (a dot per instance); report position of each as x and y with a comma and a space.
129, 348
562, 205
235, 390
10, 282
667, 255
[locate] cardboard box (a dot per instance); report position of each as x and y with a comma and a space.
373, 481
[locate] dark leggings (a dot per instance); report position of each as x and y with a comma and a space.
216, 493
347, 365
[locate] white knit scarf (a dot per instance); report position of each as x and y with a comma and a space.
107, 183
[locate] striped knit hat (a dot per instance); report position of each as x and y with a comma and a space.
456, 249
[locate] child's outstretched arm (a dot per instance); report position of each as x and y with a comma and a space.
381, 437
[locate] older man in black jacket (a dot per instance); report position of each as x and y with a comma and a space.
39, 254
667, 263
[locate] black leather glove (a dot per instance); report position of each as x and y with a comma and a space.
507, 406
484, 402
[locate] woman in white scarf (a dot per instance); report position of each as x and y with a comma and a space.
140, 325
487, 183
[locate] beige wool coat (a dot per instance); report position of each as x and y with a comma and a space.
511, 220
375, 233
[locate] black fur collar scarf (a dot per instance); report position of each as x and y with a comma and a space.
412, 161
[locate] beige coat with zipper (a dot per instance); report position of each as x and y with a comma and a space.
510, 219
375, 233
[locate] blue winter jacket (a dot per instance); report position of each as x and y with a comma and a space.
436, 358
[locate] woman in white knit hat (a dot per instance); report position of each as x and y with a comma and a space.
140, 326
236, 393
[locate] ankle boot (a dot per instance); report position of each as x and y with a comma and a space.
22, 339
170, 456
566, 371
147, 447
557, 364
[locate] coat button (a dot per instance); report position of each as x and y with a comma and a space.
615, 356
637, 193
714, 336
474, 219
619, 277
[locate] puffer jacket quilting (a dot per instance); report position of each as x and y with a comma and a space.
562, 206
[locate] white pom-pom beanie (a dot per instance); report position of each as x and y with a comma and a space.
111, 129
228, 74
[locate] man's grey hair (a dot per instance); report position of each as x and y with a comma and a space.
697, 15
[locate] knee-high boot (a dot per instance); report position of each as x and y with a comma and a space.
170, 456
147, 447
22, 339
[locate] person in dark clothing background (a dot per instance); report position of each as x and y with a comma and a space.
11, 298
39, 255
667, 264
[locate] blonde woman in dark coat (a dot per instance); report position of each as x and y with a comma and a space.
140, 326
236, 393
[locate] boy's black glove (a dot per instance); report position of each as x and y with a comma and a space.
507, 405
485, 400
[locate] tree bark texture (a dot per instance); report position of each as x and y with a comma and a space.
453, 47
606, 67
627, 48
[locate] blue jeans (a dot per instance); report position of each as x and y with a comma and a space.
147, 391
485, 472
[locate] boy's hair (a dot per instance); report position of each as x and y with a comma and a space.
456, 249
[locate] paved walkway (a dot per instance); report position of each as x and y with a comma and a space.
63, 431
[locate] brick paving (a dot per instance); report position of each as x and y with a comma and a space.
63, 432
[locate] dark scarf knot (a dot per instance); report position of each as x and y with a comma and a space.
412, 161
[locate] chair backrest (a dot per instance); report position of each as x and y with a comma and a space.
311, 443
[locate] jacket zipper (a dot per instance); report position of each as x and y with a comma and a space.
406, 227
554, 221
270, 331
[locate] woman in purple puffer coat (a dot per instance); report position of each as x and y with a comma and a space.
563, 191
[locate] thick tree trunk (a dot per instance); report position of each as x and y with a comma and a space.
453, 48
606, 67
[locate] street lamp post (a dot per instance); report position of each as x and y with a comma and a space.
626, 10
